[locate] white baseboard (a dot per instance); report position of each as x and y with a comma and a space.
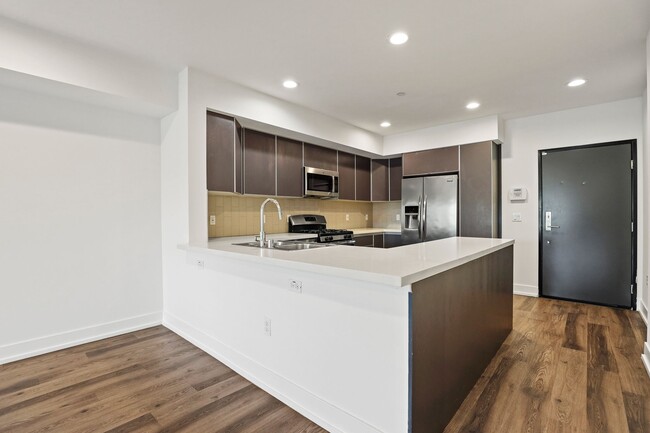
323, 413
646, 358
525, 290
51, 343
643, 310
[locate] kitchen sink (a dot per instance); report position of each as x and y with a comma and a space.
297, 246
285, 245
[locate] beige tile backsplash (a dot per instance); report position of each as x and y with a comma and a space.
240, 215
383, 214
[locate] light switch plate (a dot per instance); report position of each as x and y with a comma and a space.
516, 217
213, 220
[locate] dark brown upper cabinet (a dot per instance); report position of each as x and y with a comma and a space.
432, 161
290, 179
346, 176
362, 178
379, 180
223, 153
395, 179
320, 157
259, 163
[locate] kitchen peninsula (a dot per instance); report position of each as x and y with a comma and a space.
357, 339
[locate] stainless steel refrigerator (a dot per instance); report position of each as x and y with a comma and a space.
429, 208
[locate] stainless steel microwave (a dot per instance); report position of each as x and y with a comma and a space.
321, 183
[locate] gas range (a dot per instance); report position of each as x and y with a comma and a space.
316, 224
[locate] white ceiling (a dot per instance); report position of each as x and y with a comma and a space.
514, 56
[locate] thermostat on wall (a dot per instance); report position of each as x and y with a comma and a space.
518, 193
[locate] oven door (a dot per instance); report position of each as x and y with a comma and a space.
321, 183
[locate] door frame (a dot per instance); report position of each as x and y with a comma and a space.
633, 179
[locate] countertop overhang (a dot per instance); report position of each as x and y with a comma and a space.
397, 267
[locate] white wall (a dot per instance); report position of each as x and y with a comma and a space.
80, 223
525, 136
35, 59
469, 131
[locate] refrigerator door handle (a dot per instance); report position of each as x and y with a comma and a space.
424, 218
419, 217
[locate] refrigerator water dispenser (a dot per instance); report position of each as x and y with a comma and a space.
411, 217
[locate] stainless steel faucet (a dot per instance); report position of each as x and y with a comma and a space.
262, 233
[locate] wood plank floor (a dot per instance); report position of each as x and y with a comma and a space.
566, 367
146, 381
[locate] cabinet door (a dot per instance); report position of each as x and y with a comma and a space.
432, 161
363, 241
379, 180
320, 157
480, 190
395, 179
392, 240
259, 163
290, 177
363, 178
222, 148
346, 176
378, 241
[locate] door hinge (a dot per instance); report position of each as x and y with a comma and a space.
632, 164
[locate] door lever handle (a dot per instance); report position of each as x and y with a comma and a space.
548, 226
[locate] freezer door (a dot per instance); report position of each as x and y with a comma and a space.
412, 198
440, 204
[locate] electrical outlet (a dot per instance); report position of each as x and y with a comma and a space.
264, 218
267, 326
347, 217
516, 217
366, 217
213, 220
200, 263
295, 286
397, 217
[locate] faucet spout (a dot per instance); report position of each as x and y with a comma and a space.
262, 233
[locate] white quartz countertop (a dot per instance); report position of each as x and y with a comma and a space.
398, 267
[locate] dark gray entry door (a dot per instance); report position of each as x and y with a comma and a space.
586, 223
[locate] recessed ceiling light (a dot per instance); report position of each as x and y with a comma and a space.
398, 38
577, 82
472, 105
290, 84
384, 124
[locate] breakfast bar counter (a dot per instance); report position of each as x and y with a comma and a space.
359, 340
397, 267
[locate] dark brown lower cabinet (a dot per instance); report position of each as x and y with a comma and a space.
364, 241
459, 319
